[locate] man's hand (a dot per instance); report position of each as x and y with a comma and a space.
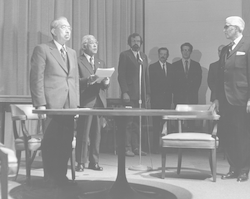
92, 79
41, 116
215, 106
248, 106
125, 97
106, 81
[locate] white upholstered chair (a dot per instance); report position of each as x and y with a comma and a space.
28, 131
198, 140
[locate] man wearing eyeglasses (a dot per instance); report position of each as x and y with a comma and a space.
233, 99
54, 84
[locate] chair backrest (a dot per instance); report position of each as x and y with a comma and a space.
192, 107
19, 110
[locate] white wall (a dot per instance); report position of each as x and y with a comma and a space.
170, 23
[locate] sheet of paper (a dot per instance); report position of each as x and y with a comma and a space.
103, 72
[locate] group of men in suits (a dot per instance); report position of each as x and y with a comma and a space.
176, 83
57, 79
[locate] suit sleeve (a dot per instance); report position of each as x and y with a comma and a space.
37, 76
122, 73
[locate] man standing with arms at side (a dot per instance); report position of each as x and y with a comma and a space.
187, 80
128, 78
54, 84
92, 95
212, 75
160, 78
233, 99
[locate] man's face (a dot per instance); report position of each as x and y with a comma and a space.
230, 31
135, 43
62, 32
91, 48
163, 55
186, 52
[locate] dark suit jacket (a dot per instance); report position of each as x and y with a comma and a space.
51, 83
160, 86
235, 74
90, 93
128, 75
212, 78
186, 89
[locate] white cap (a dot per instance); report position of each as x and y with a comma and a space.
236, 21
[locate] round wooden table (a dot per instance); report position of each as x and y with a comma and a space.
121, 189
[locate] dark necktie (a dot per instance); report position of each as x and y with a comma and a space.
63, 53
230, 48
92, 63
186, 68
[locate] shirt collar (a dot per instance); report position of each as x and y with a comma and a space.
184, 60
236, 41
59, 46
88, 57
135, 53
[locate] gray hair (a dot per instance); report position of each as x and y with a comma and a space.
55, 23
88, 39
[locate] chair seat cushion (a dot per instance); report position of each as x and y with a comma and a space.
189, 140
34, 143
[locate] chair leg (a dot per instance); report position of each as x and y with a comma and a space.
72, 164
18, 155
179, 161
213, 152
27, 165
4, 176
163, 162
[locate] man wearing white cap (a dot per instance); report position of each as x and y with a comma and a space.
233, 99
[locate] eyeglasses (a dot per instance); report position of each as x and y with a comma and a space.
228, 26
64, 27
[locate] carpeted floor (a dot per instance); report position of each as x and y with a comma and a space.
194, 182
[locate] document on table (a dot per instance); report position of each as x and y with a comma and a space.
104, 72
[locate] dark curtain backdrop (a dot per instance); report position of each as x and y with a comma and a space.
26, 23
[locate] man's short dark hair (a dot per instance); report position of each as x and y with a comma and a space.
187, 44
163, 48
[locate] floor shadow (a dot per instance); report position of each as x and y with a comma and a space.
94, 189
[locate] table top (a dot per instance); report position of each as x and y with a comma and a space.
130, 112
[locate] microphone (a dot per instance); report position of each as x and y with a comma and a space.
139, 59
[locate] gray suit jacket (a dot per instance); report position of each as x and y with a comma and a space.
51, 83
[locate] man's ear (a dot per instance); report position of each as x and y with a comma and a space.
53, 32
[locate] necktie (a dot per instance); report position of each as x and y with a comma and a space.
63, 53
230, 48
138, 57
164, 69
92, 63
186, 68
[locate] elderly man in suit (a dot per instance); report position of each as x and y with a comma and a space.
130, 62
212, 75
92, 95
161, 87
187, 80
54, 84
233, 99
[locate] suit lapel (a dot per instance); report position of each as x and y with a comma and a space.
86, 64
55, 53
236, 48
132, 57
